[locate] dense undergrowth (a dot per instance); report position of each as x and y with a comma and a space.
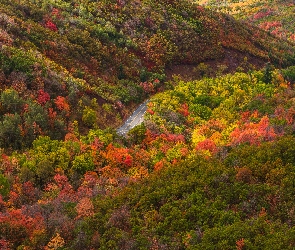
211, 167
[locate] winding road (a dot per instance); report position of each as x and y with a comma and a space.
135, 119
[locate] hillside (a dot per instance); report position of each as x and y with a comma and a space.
211, 166
276, 17
91, 61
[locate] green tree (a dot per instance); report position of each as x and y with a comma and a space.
268, 73
10, 101
4, 185
89, 116
10, 132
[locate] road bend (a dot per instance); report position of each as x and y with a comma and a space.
135, 119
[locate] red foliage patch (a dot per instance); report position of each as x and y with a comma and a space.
253, 133
207, 144
50, 25
43, 97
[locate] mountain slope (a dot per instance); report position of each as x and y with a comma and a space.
89, 61
276, 17
212, 167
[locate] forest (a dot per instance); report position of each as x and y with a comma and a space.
211, 167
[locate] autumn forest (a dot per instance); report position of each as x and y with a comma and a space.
212, 166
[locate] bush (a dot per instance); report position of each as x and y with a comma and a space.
289, 74
4, 185
10, 101
89, 116
10, 132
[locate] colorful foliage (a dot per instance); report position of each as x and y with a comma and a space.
212, 165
